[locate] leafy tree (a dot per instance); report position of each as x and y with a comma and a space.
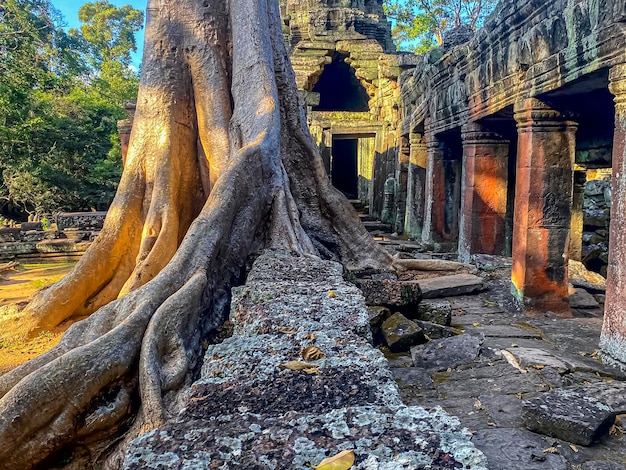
60, 98
421, 24
221, 164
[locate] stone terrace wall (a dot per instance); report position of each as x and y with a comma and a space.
246, 411
526, 48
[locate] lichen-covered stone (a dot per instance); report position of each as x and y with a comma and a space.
252, 408
435, 311
390, 293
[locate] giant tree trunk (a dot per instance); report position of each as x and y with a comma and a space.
220, 165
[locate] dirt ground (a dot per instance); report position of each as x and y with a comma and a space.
16, 288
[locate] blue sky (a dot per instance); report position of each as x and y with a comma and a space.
69, 9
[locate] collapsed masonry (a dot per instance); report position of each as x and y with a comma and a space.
486, 145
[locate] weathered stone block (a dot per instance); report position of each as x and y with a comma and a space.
390, 293
572, 415
580, 298
400, 333
435, 311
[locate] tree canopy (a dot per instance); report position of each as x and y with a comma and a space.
420, 24
60, 97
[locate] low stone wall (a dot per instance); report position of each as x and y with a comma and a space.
254, 408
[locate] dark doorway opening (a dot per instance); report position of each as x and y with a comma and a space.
340, 89
344, 174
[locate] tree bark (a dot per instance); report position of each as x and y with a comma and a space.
220, 165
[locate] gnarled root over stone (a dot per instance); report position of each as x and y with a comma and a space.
220, 165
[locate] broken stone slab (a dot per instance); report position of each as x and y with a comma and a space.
507, 331
435, 311
446, 353
448, 286
572, 415
580, 298
400, 333
378, 315
430, 264
534, 358
390, 293
517, 449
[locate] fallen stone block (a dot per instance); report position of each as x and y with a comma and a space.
400, 333
435, 311
572, 415
431, 264
446, 353
389, 293
448, 286
580, 298
378, 315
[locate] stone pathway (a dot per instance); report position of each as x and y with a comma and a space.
508, 373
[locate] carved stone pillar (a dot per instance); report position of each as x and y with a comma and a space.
402, 173
484, 192
416, 181
613, 338
434, 190
543, 200
576, 231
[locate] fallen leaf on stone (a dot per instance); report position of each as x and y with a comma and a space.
487, 303
298, 365
314, 371
511, 359
616, 431
478, 405
309, 336
573, 447
312, 353
342, 461
551, 450
514, 345
286, 330
539, 366
332, 294
519, 395
490, 423
476, 324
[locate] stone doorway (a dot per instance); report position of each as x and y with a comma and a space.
344, 167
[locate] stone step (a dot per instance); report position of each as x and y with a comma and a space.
377, 226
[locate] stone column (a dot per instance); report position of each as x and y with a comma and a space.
414, 219
484, 192
434, 191
613, 338
576, 231
543, 200
402, 170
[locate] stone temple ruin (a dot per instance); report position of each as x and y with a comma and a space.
509, 141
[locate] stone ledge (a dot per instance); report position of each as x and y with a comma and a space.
245, 411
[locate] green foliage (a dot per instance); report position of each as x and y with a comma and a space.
60, 98
421, 24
